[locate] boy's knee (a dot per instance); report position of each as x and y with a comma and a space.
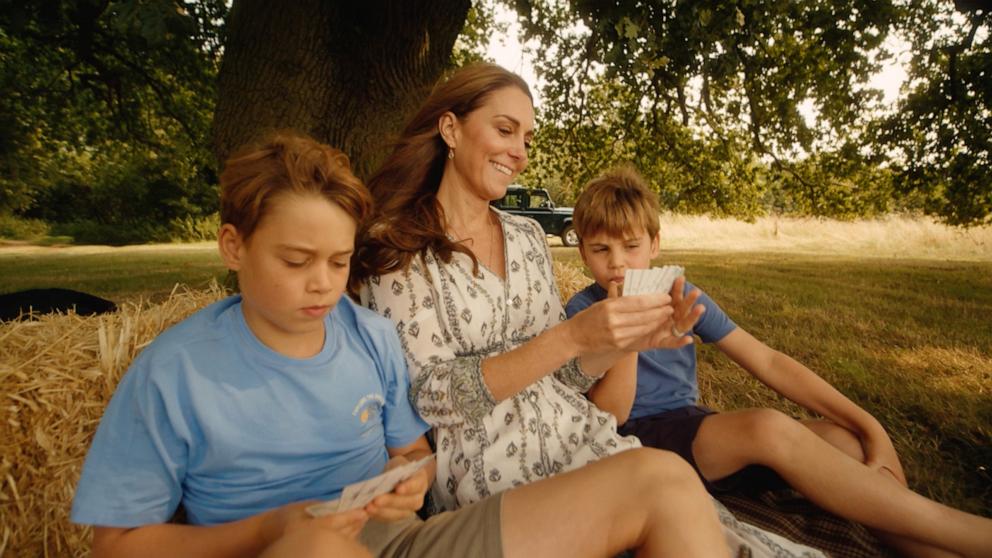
772, 430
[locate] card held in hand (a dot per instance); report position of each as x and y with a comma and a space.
357, 495
654, 280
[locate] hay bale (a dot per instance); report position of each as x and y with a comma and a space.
570, 279
56, 376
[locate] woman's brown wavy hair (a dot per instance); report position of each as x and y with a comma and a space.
408, 221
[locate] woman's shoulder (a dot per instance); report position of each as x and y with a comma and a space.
519, 223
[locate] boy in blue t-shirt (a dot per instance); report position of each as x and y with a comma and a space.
653, 394
263, 403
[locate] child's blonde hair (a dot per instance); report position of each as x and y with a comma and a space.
287, 162
617, 203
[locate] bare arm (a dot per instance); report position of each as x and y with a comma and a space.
616, 391
793, 380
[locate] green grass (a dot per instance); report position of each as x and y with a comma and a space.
908, 340
117, 275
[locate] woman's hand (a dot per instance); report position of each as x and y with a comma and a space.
406, 498
619, 324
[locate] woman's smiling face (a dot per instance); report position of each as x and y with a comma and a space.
491, 143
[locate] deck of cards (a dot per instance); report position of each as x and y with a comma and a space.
358, 494
654, 280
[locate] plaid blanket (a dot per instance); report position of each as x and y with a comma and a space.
769, 503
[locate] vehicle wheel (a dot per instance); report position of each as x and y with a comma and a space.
569, 237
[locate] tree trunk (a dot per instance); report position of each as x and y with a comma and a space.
348, 73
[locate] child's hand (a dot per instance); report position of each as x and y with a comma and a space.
881, 455
614, 290
278, 522
671, 333
405, 499
687, 312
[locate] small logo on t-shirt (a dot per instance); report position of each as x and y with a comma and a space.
368, 406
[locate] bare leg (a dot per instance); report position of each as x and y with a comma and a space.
846, 441
644, 498
833, 480
315, 542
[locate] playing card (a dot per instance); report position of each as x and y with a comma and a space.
323, 508
654, 280
357, 495
671, 273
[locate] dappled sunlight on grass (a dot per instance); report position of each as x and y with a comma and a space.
907, 339
956, 369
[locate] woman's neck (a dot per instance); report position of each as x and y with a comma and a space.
462, 210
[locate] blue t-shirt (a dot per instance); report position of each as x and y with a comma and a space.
209, 417
666, 378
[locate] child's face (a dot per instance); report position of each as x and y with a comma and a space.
609, 257
292, 270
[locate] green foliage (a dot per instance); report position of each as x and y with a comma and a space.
106, 107
106, 110
18, 228
706, 97
942, 133
474, 39
691, 174
839, 184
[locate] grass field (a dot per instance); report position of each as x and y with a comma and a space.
910, 341
897, 314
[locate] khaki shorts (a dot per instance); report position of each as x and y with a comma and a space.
471, 531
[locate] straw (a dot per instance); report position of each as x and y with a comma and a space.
56, 376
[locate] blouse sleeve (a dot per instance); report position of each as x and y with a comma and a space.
570, 373
446, 389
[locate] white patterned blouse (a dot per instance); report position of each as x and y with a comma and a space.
448, 321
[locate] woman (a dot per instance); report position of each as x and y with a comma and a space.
496, 368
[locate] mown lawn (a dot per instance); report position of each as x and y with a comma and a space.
117, 274
909, 340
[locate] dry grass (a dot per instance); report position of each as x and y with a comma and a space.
892, 237
57, 375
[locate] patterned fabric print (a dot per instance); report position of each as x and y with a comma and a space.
448, 320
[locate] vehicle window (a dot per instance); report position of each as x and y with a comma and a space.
539, 200
513, 200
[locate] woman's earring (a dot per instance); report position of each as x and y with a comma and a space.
451, 152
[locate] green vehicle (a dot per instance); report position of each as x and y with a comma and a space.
536, 203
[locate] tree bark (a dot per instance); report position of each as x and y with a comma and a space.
348, 73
